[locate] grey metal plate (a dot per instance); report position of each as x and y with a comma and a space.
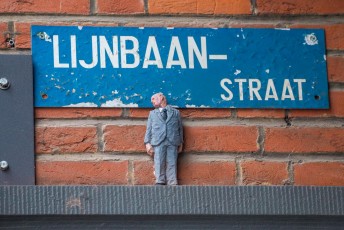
17, 121
171, 200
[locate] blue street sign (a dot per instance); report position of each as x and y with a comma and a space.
194, 67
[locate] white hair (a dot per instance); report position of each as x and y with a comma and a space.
159, 94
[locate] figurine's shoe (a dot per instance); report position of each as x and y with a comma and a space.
160, 184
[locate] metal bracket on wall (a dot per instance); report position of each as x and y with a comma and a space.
17, 161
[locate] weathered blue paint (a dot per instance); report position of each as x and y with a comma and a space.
253, 68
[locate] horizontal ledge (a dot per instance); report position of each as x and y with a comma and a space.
165, 19
200, 156
171, 200
243, 122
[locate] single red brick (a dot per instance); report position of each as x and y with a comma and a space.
224, 7
213, 7
319, 174
63, 113
321, 7
172, 7
304, 140
120, 7
206, 173
23, 35
335, 66
81, 172
336, 108
266, 113
144, 173
43, 6
66, 139
4, 32
3, 28
334, 36
220, 139
74, 7
205, 113
124, 138
264, 173
139, 113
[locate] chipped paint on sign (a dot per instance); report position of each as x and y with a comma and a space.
311, 39
80, 66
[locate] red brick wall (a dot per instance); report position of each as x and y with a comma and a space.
222, 146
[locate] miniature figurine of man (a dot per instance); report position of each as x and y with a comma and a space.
164, 139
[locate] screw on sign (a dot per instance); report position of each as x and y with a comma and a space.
4, 83
4, 165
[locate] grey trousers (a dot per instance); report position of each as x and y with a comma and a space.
165, 163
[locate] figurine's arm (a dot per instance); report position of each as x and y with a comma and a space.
180, 124
148, 136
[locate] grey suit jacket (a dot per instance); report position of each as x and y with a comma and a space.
158, 129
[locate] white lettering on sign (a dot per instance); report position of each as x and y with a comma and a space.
152, 46
255, 90
175, 48
271, 89
223, 86
201, 55
56, 52
132, 52
94, 55
124, 53
104, 49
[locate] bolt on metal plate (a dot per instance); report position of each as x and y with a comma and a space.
4, 83
4, 165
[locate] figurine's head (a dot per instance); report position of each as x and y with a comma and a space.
159, 100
